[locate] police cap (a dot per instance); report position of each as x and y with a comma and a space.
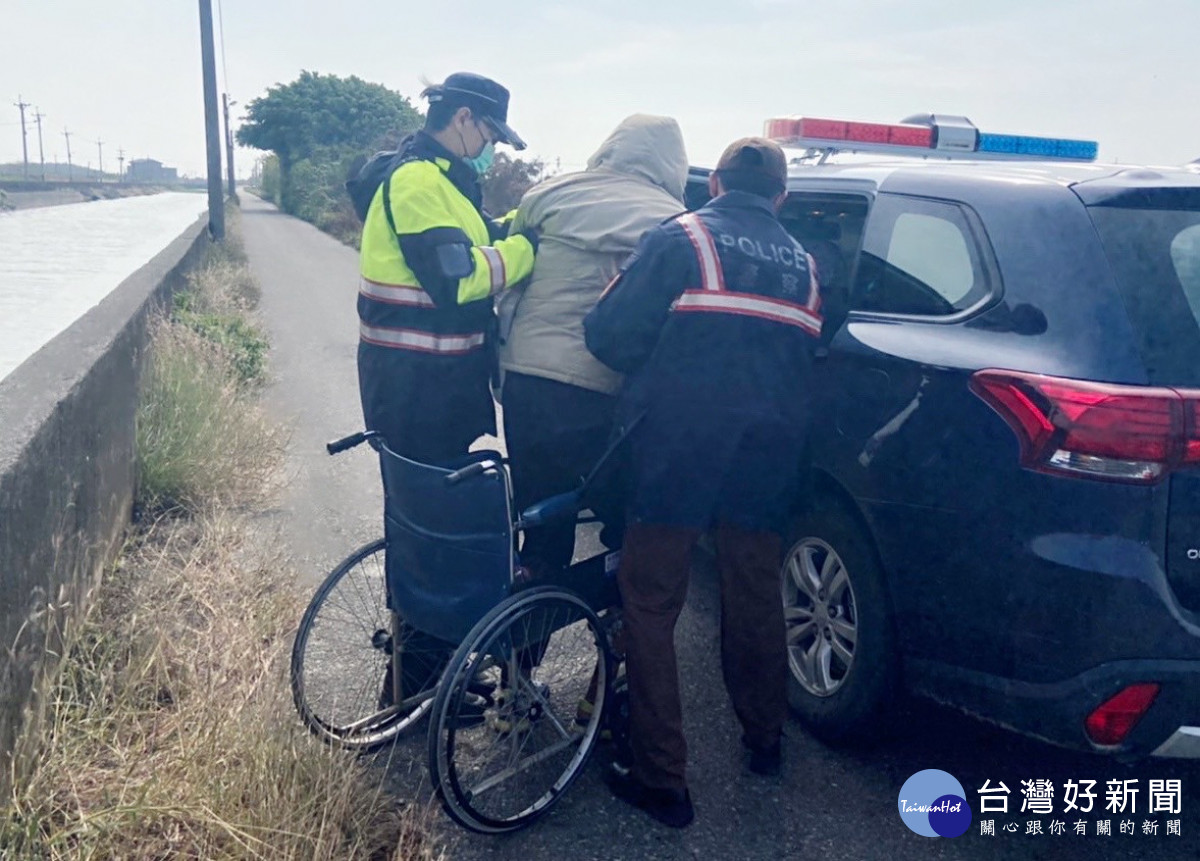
483, 96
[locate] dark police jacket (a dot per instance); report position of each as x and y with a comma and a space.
714, 320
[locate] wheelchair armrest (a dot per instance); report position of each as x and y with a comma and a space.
549, 510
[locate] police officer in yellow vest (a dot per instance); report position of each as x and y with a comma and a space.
431, 262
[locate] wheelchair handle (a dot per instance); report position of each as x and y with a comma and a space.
348, 442
469, 471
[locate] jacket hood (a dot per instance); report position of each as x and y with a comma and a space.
649, 147
633, 182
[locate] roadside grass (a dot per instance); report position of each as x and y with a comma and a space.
200, 439
166, 729
169, 732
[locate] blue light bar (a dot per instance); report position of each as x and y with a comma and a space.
1038, 147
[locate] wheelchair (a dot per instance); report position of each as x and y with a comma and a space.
517, 677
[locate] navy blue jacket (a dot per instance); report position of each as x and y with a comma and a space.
714, 320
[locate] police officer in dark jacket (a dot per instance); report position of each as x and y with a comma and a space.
714, 319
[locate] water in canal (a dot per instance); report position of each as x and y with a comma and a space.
58, 261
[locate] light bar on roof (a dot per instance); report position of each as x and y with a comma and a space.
953, 137
785, 128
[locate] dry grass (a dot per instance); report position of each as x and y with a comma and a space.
168, 731
201, 438
165, 729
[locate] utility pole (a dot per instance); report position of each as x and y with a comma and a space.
212, 123
22, 105
100, 149
229, 149
121, 162
70, 172
38, 115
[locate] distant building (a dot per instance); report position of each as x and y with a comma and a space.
150, 170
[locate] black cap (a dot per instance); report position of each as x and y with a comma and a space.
757, 164
483, 96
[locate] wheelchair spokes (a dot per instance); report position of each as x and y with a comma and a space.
498, 771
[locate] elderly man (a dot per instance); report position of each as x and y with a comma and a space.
559, 399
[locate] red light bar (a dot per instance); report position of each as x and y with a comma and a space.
835, 130
812, 128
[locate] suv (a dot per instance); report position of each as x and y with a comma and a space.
1004, 504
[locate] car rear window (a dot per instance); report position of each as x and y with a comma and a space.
1155, 254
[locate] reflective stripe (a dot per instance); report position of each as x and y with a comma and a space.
611, 284
749, 305
395, 294
495, 264
814, 287
711, 275
423, 342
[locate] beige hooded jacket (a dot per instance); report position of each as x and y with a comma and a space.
589, 223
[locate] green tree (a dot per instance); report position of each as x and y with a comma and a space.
317, 114
507, 180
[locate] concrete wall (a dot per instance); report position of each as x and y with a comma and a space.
67, 466
33, 195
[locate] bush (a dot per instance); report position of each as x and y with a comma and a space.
272, 188
243, 344
317, 193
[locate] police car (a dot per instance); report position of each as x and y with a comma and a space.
1003, 511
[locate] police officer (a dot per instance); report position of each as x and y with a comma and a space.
714, 319
431, 261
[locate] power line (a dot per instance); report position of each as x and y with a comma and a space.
22, 105
212, 123
39, 116
221, 31
70, 171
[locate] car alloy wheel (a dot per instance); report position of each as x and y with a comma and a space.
821, 617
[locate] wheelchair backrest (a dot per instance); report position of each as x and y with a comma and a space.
450, 546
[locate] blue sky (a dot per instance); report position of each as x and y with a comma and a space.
1123, 72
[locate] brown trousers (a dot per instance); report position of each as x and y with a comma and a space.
653, 578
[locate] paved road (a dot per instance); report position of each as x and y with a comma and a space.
829, 804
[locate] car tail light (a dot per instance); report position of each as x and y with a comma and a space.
1122, 433
1113, 719
1192, 416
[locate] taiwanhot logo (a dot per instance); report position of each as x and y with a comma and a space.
933, 804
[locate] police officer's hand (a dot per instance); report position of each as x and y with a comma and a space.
532, 235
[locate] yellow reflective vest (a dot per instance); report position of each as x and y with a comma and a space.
425, 293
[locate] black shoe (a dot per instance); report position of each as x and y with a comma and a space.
767, 761
671, 807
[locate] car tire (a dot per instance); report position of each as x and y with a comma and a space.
838, 701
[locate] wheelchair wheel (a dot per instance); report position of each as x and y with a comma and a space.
343, 680
542, 653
